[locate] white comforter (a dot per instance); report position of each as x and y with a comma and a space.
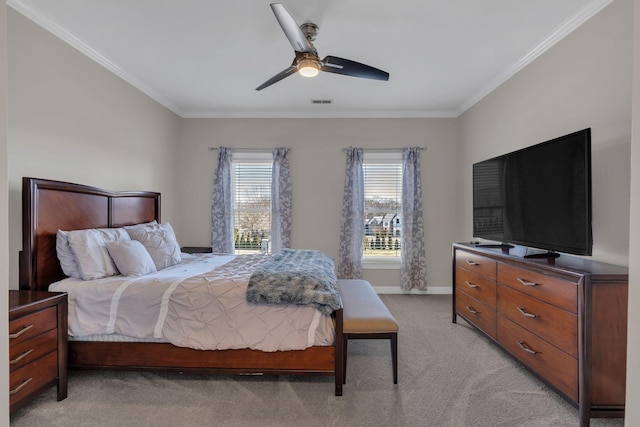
199, 303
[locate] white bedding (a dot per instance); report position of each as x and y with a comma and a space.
198, 303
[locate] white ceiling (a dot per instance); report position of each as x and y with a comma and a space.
204, 58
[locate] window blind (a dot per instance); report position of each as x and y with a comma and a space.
382, 206
252, 205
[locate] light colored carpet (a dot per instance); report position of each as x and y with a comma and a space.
449, 376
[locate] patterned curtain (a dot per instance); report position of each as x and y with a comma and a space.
222, 205
413, 270
280, 201
352, 231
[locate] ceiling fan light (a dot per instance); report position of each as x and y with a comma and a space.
308, 68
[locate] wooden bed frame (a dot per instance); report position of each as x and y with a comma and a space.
51, 205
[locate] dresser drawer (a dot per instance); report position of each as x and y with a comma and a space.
555, 291
477, 313
554, 365
25, 327
478, 287
555, 325
477, 264
29, 378
25, 352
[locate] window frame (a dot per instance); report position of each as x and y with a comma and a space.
262, 157
383, 262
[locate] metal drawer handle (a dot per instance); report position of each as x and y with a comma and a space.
19, 358
471, 310
471, 285
526, 348
20, 387
524, 282
471, 262
524, 313
21, 331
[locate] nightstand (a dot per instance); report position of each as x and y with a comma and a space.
196, 249
37, 344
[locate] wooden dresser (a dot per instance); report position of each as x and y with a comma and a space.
37, 344
563, 318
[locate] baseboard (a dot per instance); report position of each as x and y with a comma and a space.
433, 290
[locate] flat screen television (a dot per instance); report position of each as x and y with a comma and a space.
539, 196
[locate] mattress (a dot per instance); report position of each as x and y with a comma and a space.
199, 303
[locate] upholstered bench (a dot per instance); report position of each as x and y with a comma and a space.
366, 317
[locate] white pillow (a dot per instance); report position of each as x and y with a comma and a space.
65, 255
89, 248
131, 258
160, 242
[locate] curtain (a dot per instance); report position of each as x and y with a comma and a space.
222, 205
280, 200
352, 231
413, 270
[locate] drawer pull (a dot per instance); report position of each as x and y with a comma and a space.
19, 358
524, 313
21, 331
20, 387
524, 282
526, 348
471, 262
471, 285
471, 310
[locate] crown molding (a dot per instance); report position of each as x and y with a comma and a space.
40, 18
558, 34
334, 114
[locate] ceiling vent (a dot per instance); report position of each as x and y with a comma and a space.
321, 101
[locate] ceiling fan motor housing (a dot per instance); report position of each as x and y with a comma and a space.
310, 30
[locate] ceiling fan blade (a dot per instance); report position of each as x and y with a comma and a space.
291, 29
333, 64
281, 75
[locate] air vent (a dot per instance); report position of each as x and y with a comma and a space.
321, 101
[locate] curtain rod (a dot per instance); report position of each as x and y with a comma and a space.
253, 150
384, 149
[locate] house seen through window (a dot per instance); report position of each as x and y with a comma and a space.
252, 202
382, 205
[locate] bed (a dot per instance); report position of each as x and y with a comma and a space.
49, 206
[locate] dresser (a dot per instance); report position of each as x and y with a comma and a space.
563, 318
37, 345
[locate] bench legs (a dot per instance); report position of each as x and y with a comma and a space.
391, 336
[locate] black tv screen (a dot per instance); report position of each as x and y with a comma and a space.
539, 196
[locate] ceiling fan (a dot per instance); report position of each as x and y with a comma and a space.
307, 62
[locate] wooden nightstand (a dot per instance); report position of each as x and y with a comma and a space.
37, 344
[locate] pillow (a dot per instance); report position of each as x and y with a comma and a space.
89, 248
65, 255
131, 258
160, 242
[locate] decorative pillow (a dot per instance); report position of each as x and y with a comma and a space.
131, 258
65, 255
160, 241
89, 248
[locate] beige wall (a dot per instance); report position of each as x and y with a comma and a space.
4, 214
583, 81
317, 176
633, 350
72, 120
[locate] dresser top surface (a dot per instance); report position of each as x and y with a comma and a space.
567, 264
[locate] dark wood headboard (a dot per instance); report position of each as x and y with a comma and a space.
49, 206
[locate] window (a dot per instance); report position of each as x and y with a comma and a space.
382, 208
252, 202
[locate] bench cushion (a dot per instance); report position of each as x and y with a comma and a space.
363, 310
